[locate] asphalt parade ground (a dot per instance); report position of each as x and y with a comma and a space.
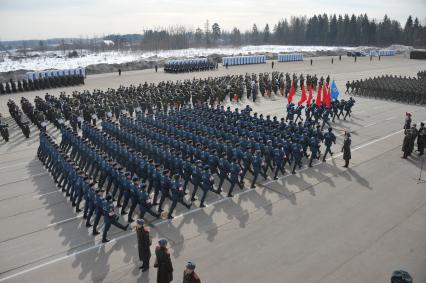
323, 224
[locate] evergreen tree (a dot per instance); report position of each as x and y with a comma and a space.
340, 31
198, 36
216, 32
347, 38
365, 30
236, 37
332, 36
207, 34
354, 31
266, 35
254, 35
409, 31
372, 33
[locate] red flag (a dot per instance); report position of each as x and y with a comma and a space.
291, 94
318, 101
310, 95
303, 97
326, 96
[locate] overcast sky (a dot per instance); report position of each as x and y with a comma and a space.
41, 19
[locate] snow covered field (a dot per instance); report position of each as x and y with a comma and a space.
56, 60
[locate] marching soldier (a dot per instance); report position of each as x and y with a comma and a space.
177, 195
111, 218
329, 139
235, 171
258, 164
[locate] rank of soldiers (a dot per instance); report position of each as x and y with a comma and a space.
42, 83
183, 66
401, 89
166, 154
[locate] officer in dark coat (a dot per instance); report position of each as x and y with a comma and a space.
144, 244
189, 275
346, 149
406, 143
421, 139
163, 263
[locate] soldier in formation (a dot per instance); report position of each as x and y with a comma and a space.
400, 89
188, 66
40, 83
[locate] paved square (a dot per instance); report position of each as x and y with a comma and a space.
324, 224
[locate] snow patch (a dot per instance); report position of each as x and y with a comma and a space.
39, 61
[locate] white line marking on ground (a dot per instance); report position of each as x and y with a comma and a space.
26, 178
42, 195
63, 221
164, 221
390, 118
14, 165
369, 125
336, 155
220, 200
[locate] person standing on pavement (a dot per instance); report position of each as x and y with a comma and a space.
144, 244
163, 263
346, 149
189, 275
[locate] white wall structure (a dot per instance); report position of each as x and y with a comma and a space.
290, 57
243, 60
387, 52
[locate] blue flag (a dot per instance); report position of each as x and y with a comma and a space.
334, 92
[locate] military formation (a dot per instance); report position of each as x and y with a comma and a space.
400, 89
145, 161
39, 84
190, 66
159, 148
19, 118
162, 97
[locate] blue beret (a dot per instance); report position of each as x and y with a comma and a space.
190, 265
162, 242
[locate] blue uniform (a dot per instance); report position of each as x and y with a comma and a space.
111, 218
297, 153
279, 157
329, 139
100, 203
257, 165
196, 180
224, 168
235, 172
